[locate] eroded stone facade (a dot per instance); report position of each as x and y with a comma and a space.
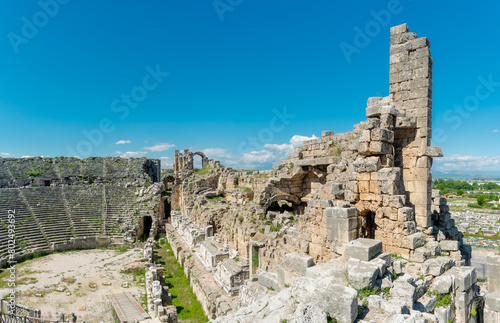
373, 182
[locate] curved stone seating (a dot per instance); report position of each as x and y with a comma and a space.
48, 206
121, 209
85, 209
28, 234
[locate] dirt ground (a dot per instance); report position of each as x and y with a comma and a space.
77, 282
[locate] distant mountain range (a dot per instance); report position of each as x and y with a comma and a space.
466, 174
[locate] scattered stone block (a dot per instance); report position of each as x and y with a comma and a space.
339, 301
415, 240
269, 280
463, 277
396, 265
434, 247
493, 266
405, 291
298, 263
442, 284
362, 274
394, 306
374, 302
437, 266
443, 314
449, 245
306, 313
363, 249
492, 301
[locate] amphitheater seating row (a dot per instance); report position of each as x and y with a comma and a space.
53, 215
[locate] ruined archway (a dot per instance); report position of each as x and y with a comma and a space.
204, 159
168, 180
284, 203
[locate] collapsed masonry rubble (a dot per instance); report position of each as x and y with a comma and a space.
158, 295
342, 215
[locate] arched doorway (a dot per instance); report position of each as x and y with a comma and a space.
199, 162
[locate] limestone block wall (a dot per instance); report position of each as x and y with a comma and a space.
57, 171
373, 182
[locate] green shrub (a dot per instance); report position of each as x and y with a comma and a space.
442, 299
255, 259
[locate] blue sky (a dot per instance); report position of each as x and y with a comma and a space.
244, 81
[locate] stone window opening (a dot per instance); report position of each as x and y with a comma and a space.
146, 224
168, 208
366, 225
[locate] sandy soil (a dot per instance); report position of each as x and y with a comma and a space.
61, 283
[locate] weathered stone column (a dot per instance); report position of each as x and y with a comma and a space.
410, 90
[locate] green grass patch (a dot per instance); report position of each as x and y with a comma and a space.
276, 228
215, 199
202, 171
367, 291
188, 307
480, 234
245, 189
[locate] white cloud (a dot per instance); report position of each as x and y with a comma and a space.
160, 147
258, 158
130, 154
496, 130
122, 142
468, 163
214, 153
5, 154
166, 162
281, 151
295, 141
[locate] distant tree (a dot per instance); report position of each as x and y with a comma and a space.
481, 200
491, 186
460, 192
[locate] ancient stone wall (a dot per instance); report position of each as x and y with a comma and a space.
373, 182
44, 171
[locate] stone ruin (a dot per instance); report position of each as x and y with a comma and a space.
343, 214
184, 163
69, 203
157, 292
